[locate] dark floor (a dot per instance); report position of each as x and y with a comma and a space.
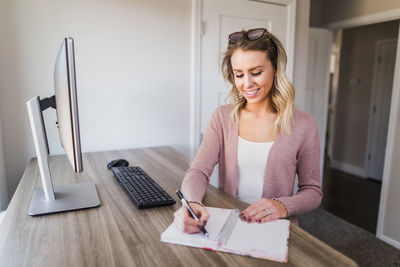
360, 245
351, 198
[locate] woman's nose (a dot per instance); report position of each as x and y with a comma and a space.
248, 81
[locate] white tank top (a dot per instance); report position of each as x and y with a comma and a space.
252, 162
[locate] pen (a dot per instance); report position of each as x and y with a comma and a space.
186, 204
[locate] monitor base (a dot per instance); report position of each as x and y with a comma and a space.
67, 197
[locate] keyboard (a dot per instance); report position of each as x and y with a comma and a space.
141, 188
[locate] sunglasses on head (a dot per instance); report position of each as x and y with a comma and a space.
252, 35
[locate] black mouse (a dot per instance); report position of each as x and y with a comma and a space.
118, 163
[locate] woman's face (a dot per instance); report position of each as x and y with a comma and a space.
254, 75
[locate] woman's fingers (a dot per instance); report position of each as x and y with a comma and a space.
184, 222
263, 210
271, 217
264, 213
201, 213
257, 207
186, 228
254, 209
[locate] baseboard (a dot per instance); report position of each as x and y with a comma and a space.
349, 168
390, 241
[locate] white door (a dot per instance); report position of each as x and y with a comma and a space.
317, 88
222, 17
380, 107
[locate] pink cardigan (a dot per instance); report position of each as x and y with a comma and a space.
297, 153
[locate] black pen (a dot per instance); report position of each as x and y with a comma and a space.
186, 204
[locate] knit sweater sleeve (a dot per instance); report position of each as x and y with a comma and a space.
309, 194
197, 177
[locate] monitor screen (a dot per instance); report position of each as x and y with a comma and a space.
67, 103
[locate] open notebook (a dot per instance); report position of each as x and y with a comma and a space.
229, 234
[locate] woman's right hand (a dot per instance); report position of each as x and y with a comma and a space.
186, 223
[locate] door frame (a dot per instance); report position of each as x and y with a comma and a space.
195, 81
372, 119
328, 36
394, 109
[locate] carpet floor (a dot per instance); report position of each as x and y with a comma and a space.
356, 243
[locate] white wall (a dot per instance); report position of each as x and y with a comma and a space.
133, 72
4, 197
3, 181
132, 60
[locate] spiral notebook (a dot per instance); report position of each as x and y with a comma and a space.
228, 233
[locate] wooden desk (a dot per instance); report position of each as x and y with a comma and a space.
119, 234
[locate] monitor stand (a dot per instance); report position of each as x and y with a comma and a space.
49, 199
67, 197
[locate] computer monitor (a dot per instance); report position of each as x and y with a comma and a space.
58, 198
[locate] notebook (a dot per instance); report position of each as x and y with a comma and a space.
228, 233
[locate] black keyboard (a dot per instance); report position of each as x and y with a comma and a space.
141, 188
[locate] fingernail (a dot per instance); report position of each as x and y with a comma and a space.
244, 217
258, 221
248, 220
241, 214
204, 223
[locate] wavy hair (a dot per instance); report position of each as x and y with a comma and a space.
282, 91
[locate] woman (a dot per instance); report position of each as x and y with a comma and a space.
259, 140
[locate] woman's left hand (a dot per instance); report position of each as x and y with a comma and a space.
264, 210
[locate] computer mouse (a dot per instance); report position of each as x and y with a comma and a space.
118, 163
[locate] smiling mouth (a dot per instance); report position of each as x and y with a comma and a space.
251, 92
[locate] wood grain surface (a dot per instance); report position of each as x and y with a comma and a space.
117, 233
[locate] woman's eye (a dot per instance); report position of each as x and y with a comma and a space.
257, 73
239, 75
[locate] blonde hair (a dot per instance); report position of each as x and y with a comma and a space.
282, 91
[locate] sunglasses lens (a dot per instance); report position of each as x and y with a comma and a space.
234, 37
255, 34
